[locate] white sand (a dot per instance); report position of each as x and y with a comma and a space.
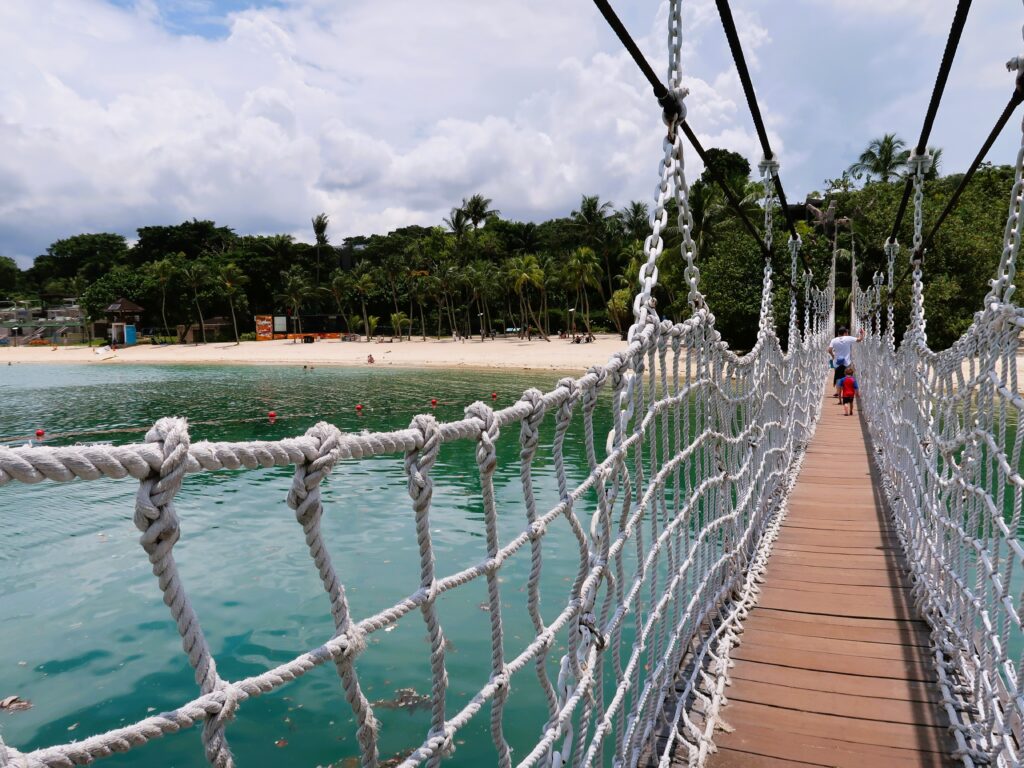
512, 354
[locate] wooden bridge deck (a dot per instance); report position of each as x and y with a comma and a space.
832, 668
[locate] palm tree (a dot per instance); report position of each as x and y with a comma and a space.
524, 272
398, 321
885, 158
583, 270
593, 222
295, 291
370, 325
197, 277
478, 209
635, 220
231, 280
164, 271
391, 274
364, 287
320, 222
340, 287
458, 224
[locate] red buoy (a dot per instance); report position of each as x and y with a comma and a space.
272, 415
40, 433
433, 401
359, 406
494, 395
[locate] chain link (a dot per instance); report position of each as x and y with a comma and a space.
768, 169
918, 165
671, 183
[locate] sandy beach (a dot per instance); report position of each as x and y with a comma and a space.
512, 354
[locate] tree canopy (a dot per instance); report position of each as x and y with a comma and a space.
477, 272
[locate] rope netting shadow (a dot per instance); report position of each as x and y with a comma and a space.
671, 525
946, 433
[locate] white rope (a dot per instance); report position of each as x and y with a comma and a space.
945, 426
700, 453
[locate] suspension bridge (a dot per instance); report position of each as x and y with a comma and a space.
726, 611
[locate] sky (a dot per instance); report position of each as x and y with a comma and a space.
117, 114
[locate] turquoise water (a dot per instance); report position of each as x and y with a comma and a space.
86, 637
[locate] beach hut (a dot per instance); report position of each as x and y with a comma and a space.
123, 316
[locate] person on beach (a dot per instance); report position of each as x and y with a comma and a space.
840, 349
849, 390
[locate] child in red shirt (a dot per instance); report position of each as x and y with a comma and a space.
848, 390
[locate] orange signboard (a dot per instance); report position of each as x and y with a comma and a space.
264, 327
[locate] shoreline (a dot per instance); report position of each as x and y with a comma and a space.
558, 355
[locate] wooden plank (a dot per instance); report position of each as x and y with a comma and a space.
833, 589
838, 549
841, 621
841, 704
899, 634
840, 645
832, 682
899, 735
818, 524
752, 739
825, 560
834, 576
833, 665
920, 671
848, 539
887, 606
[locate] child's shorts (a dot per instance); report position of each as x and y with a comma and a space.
847, 400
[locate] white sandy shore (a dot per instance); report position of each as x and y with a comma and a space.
509, 354
512, 354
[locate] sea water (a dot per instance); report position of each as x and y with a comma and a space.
84, 633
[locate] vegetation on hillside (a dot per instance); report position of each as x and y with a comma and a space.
478, 271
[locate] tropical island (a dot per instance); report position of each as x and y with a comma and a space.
478, 277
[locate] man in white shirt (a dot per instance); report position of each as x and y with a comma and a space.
840, 349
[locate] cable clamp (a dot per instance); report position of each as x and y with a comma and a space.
673, 107
919, 163
767, 164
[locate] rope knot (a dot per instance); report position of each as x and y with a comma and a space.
569, 384
154, 510
215, 744
486, 453
531, 424
304, 494
356, 637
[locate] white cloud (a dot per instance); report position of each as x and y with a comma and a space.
380, 113
384, 113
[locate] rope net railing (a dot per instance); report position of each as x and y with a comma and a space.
946, 433
670, 525
698, 459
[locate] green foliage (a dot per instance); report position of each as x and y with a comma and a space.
479, 272
10, 276
119, 282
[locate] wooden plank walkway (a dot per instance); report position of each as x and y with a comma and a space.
832, 667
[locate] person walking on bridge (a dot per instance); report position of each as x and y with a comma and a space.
840, 349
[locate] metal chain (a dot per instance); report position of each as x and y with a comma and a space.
919, 165
671, 182
768, 169
892, 248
